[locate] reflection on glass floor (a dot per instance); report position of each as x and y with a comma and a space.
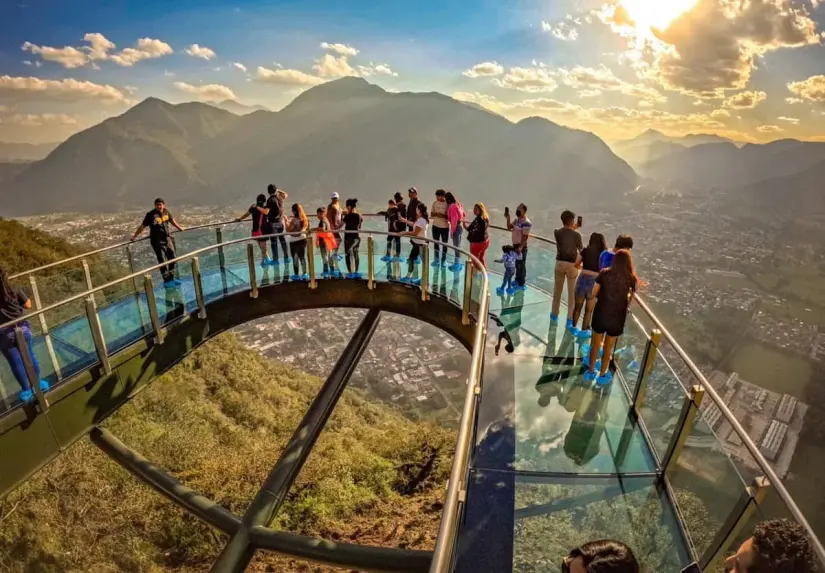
558, 461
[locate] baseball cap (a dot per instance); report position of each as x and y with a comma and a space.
412, 190
334, 196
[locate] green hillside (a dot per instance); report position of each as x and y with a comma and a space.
22, 248
218, 422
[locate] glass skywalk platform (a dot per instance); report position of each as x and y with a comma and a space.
551, 461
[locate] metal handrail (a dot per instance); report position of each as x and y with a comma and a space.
764, 465
111, 248
456, 490
711, 392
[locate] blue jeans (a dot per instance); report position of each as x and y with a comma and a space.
508, 278
8, 346
459, 230
278, 228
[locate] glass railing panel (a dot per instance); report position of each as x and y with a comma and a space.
124, 316
192, 240
9, 385
706, 483
545, 518
71, 338
61, 282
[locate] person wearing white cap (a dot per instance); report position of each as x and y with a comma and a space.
335, 216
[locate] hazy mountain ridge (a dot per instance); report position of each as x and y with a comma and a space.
652, 145
347, 135
13, 152
238, 108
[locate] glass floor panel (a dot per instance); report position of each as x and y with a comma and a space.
527, 524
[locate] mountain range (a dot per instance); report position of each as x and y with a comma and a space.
347, 135
652, 145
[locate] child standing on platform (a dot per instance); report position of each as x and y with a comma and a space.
509, 258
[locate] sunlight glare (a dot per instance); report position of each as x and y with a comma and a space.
648, 14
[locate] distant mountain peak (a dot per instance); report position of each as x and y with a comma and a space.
339, 90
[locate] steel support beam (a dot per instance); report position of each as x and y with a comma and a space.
237, 554
215, 515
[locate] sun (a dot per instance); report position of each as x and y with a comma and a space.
649, 14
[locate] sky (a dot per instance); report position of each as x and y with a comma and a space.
752, 70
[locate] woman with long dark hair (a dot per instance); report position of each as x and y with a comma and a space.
588, 261
602, 556
418, 234
298, 224
260, 225
477, 234
455, 214
352, 239
13, 304
613, 290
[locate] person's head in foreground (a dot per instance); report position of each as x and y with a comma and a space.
777, 546
603, 556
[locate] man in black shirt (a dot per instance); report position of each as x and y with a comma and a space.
158, 221
275, 204
413, 205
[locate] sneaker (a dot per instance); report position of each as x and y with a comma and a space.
305, 278
274, 262
511, 291
296, 278
26, 396
338, 275
554, 317
266, 262
286, 260
436, 262
604, 379
455, 267
500, 291
416, 282
357, 276
44, 386
386, 258
590, 376
585, 334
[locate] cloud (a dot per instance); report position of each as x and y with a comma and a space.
745, 100
794, 100
484, 69
791, 120
207, 92
67, 57
603, 79
376, 70
147, 49
38, 119
812, 89
64, 90
100, 48
330, 66
590, 93
240, 66
201, 52
562, 31
286, 77
340, 49
535, 79
769, 129
715, 45
720, 113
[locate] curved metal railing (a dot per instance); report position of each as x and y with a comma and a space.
456, 491
443, 550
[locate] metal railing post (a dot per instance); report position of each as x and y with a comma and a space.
28, 365
152, 303
130, 257
198, 284
646, 367
750, 500
313, 284
684, 427
250, 261
425, 272
97, 334
88, 274
44, 328
468, 294
221, 259
370, 263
